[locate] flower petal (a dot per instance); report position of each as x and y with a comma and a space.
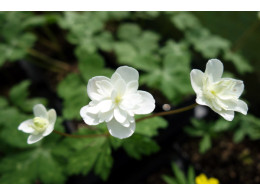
120, 115
196, 77
52, 119
132, 87
89, 118
228, 87
106, 116
214, 69
34, 138
147, 105
105, 105
226, 114
40, 111
119, 131
128, 74
241, 107
92, 88
52, 116
120, 87
49, 129
26, 126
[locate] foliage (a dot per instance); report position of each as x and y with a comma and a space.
207, 130
94, 44
180, 177
247, 126
209, 45
16, 35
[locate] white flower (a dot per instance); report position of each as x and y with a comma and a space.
116, 101
220, 94
41, 125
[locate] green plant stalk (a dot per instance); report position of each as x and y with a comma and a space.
138, 120
59, 64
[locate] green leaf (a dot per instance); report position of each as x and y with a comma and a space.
248, 125
241, 64
125, 52
185, 21
128, 32
191, 175
136, 146
30, 167
180, 177
10, 119
104, 162
19, 97
172, 78
104, 41
150, 127
3, 102
169, 180
74, 94
205, 144
91, 65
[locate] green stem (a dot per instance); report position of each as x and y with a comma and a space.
138, 120
59, 64
168, 112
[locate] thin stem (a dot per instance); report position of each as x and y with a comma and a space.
138, 120
81, 136
57, 63
168, 112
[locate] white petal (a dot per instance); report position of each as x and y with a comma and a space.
131, 87
40, 111
106, 116
119, 131
201, 100
131, 101
89, 118
34, 138
228, 87
196, 77
120, 115
214, 69
147, 105
105, 88
128, 74
115, 77
105, 105
49, 129
52, 116
92, 88
120, 87
26, 126
226, 114
241, 107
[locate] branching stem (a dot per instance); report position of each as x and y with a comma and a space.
138, 120
168, 112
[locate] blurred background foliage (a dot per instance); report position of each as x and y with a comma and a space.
48, 58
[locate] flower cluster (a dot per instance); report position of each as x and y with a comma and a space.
117, 99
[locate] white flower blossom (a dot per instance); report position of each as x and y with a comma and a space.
220, 94
41, 125
116, 101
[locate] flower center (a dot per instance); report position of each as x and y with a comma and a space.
118, 99
40, 124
